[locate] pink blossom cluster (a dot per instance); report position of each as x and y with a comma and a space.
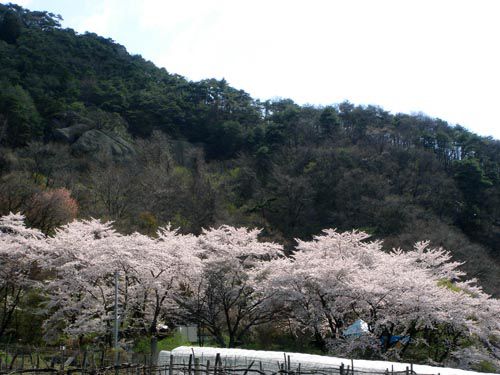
228, 281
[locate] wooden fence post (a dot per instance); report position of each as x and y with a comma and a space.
197, 366
13, 360
171, 365
248, 368
217, 362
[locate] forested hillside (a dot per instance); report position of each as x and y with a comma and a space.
87, 129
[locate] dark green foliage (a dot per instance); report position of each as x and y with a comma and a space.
21, 121
471, 179
225, 140
329, 121
10, 27
145, 147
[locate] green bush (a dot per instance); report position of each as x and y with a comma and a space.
171, 342
484, 366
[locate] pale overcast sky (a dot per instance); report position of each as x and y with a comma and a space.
440, 57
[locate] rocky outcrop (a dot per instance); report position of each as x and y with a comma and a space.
102, 141
71, 133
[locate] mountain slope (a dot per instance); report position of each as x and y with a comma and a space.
143, 147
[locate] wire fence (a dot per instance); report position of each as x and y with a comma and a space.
17, 358
196, 369
33, 361
229, 366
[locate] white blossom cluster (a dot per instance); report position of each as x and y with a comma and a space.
228, 281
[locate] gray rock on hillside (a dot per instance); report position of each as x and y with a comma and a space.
101, 141
71, 133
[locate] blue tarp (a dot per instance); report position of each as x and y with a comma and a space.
356, 329
360, 327
394, 340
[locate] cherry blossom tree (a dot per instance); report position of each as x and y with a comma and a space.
315, 283
338, 278
229, 282
168, 266
86, 255
21, 250
81, 299
225, 299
